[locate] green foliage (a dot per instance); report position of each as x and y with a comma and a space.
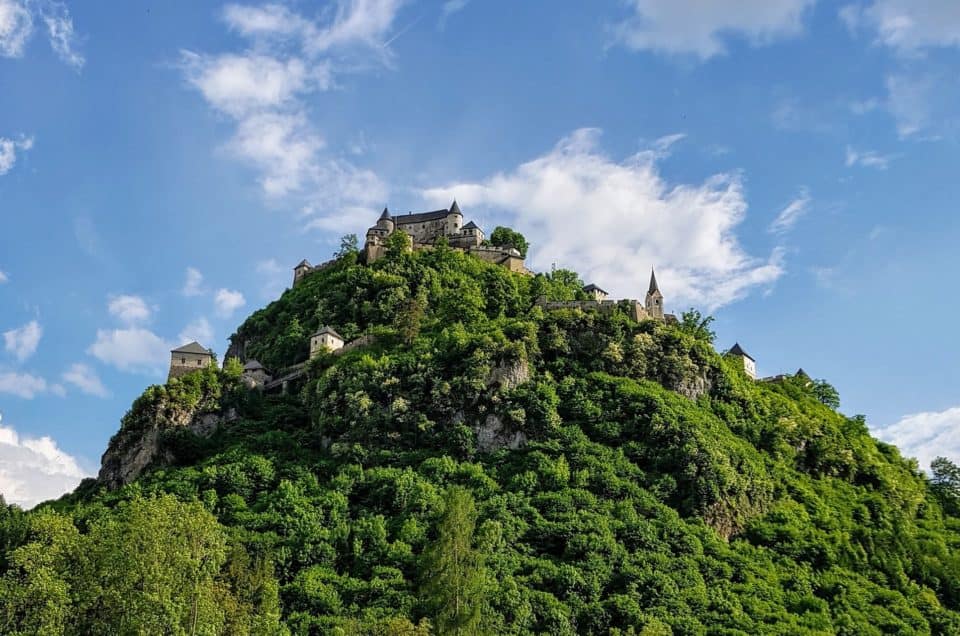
349, 244
697, 325
507, 237
825, 393
453, 575
487, 465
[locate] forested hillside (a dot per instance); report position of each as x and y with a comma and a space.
484, 466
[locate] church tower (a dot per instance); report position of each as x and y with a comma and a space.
654, 302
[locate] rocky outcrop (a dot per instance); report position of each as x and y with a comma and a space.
492, 435
135, 448
509, 374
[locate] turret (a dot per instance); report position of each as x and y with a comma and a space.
302, 269
454, 219
654, 301
749, 364
385, 222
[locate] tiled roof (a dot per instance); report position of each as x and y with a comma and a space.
330, 331
193, 347
421, 217
737, 350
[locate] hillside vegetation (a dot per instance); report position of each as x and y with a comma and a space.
486, 467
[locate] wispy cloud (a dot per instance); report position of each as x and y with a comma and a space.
9, 149
22, 342
702, 29
198, 330
792, 213
85, 378
17, 26
133, 349
193, 284
22, 385
907, 26
264, 90
867, 159
449, 8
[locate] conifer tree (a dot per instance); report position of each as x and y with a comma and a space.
454, 578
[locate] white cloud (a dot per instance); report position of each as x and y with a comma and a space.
926, 435
22, 342
33, 470
450, 7
16, 28
694, 27
133, 349
23, 385
922, 105
274, 278
193, 285
908, 25
614, 220
227, 301
8, 151
789, 216
867, 159
264, 89
63, 38
199, 330
3, 277
85, 378
129, 309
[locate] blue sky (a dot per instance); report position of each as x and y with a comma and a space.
789, 166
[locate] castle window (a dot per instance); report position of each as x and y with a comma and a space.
183, 360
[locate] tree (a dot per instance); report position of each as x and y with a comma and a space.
348, 245
697, 325
410, 317
454, 578
946, 484
825, 393
399, 242
507, 237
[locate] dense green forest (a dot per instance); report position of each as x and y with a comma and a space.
483, 466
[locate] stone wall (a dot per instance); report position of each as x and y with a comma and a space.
184, 363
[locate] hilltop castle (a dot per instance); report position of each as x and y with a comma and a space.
426, 229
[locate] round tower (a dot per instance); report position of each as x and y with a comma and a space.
385, 222
454, 219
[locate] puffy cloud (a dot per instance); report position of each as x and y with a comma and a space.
614, 220
86, 379
227, 301
926, 435
132, 349
908, 25
129, 309
867, 159
22, 385
700, 28
16, 27
33, 470
9, 149
199, 330
789, 216
264, 89
22, 342
193, 285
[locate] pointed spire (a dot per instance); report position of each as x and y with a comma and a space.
653, 282
386, 215
455, 209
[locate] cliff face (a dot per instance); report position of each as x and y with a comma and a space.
190, 403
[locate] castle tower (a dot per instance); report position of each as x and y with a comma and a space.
385, 222
749, 364
454, 219
302, 269
326, 339
654, 301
